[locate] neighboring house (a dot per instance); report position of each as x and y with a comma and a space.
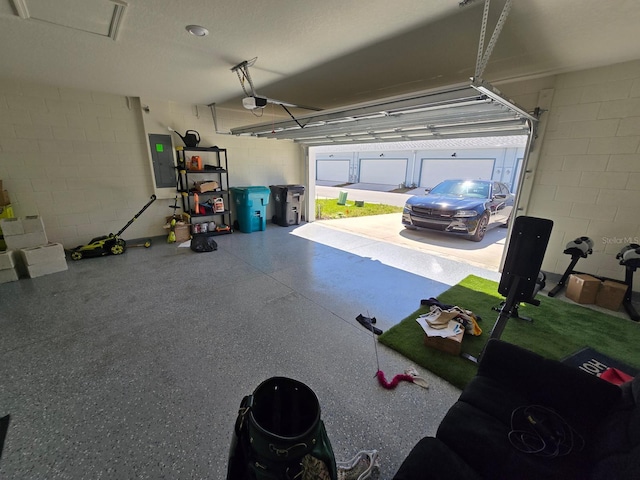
423, 164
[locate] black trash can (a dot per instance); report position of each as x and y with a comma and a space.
288, 203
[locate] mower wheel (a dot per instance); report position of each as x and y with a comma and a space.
77, 255
117, 249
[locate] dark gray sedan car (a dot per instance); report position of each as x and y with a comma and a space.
464, 207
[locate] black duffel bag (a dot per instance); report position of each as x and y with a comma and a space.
279, 435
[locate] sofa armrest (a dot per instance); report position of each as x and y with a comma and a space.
566, 389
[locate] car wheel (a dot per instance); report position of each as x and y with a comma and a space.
481, 229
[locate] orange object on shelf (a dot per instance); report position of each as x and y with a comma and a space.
196, 163
196, 201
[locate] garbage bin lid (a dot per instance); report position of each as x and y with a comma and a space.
251, 189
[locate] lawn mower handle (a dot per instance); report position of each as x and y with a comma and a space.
153, 199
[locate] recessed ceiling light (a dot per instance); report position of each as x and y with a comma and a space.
197, 30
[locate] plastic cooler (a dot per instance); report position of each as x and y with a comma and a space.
251, 203
288, 202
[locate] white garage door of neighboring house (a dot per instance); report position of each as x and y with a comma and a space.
385, 171
332, 170
433, 170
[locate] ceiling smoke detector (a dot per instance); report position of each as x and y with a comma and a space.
197, 30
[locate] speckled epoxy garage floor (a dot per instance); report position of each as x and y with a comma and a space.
134, 366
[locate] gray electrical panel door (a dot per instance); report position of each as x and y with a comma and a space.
162, 156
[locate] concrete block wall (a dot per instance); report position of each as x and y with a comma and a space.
588, 176
76, 158
80, 159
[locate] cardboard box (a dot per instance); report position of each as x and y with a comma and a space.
182, 228
4, 197
182, 232
582, 288
183, 217
611, 294
42, 254
451, 345
206, 186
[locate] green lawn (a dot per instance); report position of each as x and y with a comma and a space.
327, 209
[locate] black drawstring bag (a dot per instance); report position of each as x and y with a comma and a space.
203, 243
279, 435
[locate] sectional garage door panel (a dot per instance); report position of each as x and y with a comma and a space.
385, 171
457, 111
332, 170
434, 170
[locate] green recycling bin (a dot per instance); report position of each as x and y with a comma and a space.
251, 204
288, 203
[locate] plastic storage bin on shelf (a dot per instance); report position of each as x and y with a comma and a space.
251, 204
288, 202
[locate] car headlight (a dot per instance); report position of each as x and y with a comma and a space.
407, 208
465, 214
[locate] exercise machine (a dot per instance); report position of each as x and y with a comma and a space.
579, 248
540, 284
629, 256
520, 276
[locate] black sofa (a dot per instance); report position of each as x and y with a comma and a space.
474, 441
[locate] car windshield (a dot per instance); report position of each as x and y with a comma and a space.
462, 188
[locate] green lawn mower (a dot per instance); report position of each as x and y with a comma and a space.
107, 244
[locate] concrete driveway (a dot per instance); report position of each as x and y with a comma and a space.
388, 228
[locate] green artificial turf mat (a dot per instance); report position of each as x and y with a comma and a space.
559, 329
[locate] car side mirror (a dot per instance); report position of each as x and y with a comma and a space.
427, 190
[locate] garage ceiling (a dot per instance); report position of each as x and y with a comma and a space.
328, 54
472, 110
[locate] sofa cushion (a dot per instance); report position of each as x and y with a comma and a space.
477, 428
582, 399
617, 451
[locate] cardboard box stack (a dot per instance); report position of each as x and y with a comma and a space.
32, 254
586, 289
611, 294
582, 288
